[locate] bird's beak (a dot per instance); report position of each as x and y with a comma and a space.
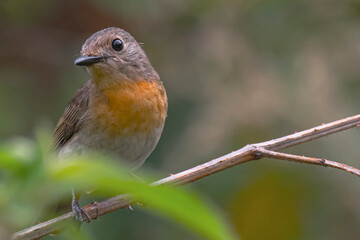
86, 60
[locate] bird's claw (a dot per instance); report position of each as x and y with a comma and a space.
80, 214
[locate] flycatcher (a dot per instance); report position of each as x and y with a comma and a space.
121, 110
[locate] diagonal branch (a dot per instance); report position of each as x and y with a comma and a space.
245, 154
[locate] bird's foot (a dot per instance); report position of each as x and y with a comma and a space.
80, 214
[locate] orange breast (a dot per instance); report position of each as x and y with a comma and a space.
132, 107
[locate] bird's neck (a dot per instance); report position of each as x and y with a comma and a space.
109, 79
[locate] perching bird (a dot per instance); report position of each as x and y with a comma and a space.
121, 110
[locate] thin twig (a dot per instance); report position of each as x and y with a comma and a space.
309, 160
245, 154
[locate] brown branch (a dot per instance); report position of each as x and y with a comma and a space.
302, 159
245, 154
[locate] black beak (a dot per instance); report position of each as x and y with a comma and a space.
87, 60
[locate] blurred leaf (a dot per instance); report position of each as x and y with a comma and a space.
44, 179
88, 172
72, 233
16, 153
3, 196
9, 162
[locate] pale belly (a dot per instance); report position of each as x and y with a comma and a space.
131, 150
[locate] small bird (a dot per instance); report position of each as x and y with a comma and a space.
121, 110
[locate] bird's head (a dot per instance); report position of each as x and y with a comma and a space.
113, 54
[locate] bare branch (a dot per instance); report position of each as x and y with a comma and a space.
309, 160
245, 154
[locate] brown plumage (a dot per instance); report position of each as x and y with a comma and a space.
121, 110
70, 121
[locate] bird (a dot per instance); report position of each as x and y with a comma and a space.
120, 110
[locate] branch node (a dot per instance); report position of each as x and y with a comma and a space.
258, 155
322, 162
95, 205
255, 150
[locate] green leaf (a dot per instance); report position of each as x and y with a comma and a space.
16, 153
87, 172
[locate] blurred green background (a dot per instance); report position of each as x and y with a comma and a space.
236, 72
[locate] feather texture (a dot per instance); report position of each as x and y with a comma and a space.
70, 122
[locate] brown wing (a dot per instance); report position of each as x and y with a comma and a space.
69, 122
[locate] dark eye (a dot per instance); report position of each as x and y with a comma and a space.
117, 45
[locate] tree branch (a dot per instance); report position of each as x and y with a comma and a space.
245, 154
302, 159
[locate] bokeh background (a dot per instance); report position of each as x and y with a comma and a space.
236, 72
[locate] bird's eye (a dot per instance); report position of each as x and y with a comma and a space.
117, 45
